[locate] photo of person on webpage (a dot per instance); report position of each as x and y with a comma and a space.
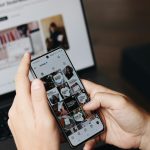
55, 32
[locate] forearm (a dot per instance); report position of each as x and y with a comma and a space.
145, 141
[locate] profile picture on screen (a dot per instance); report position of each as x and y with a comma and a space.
76, 88
64, 90
48, 82
82, 98
58, 78
68, 71
54, 99
78, 115
67, 121
60, 109
55, 32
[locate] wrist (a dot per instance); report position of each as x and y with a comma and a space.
145, 140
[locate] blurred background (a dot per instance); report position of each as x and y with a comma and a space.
120, 29
120, 33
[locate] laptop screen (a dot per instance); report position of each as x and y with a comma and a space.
38, 26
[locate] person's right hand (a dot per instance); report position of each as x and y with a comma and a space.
127, 126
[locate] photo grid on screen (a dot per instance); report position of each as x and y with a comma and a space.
67, 96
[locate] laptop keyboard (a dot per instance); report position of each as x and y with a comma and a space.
4, 129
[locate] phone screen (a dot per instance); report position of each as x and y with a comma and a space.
66, 95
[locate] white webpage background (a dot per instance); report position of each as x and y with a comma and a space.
35, 10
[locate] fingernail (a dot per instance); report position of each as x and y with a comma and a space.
36, 84
27, 54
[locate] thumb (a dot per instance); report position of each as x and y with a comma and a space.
39, 99
105, 100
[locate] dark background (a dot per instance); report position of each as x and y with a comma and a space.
115, 25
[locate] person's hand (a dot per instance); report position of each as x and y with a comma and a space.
127, 126
30, 120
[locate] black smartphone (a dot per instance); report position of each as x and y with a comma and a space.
66, 96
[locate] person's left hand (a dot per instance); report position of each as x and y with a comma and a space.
30, 120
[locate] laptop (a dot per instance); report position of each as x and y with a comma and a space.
38, 27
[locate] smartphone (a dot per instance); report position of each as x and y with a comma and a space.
66, 96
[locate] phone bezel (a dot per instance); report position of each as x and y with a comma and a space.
66, 137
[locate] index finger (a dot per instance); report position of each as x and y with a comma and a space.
93, 88
22, 79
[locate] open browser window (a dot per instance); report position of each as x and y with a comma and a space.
38, 26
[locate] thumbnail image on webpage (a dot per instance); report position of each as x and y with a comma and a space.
15, 41
55, 32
